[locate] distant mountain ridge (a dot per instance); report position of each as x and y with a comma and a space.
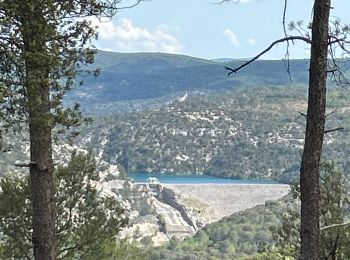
140, 76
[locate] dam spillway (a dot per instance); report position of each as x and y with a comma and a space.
188, 207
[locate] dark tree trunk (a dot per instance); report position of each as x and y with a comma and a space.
310, 165
42, 182
40, 127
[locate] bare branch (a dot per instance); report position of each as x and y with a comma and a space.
130, 6
333, 130
327, 115
284, 18
285, 39
302, 113
286, 60
332, 70
334, 225
28, 165
337, 40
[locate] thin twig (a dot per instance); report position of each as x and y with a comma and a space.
303, 114
332, 70
286, 61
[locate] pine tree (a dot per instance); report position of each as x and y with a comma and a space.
44, 45
86, 220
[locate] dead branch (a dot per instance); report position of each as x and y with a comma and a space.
333, 130
303, 114
332, 70
334, 225
285, 39
284, 17
28, 165
286, 60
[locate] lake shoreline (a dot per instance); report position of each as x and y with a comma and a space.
142, 178
218, 184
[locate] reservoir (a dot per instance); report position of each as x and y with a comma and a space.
193, 179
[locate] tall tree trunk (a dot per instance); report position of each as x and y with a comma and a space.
40, 127
41, 174
315, 124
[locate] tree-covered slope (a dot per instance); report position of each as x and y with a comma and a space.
244, 133
139, 76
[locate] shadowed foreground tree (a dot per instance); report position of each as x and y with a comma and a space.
322, 41
335, 234
44, 45
87, 221
314, 134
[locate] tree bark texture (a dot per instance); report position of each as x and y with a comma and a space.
40, 126
315, 126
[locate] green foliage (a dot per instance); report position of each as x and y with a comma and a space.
211, 134
138, 199
335, 195
41, 46
125, 249
85, 219
15, 218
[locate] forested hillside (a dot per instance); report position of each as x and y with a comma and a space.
254, 132
126, 80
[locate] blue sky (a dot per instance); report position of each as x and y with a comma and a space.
202, 29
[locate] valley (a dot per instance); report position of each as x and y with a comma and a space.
255, 134
179, 116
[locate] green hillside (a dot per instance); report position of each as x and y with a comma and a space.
245, 133
174, 113
140, 76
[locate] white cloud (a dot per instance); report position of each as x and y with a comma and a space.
251, 41
123, 36
232, 37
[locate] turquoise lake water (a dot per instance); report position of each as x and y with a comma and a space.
192, 179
